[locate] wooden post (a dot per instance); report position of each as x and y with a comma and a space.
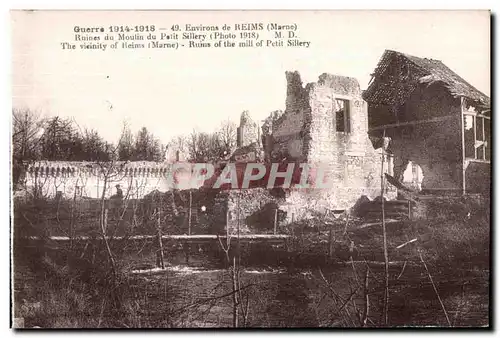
105, 221
238, 232
235, 294
484, 138
330, 243
160, 253
384, 232
366, 309
187, 247
238, 217
409, 209
71, 221
104, 227
275, 220
189, 213
462, 133
474, 127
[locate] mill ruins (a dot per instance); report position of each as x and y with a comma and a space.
437, 123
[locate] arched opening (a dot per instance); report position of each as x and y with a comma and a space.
413, 176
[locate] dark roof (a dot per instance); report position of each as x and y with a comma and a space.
390, 90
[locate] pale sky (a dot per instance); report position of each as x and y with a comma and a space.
173, 91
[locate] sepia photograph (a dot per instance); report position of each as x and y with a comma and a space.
250, 169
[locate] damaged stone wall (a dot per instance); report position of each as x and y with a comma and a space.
248, 131
308, 131
436, 147
353, 164
478, 178
253, 209
325, 124
267, 133
289, 129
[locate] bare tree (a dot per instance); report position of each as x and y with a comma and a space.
208, 147
227, 136
109, 171
195, 146
27, 131
176, 146
239, 294
126, 144
60, 140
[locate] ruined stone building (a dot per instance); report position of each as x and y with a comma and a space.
248, 140
436, 122
438, 126
248, 131
324, 124
435, 119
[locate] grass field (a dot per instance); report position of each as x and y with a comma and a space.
439, 275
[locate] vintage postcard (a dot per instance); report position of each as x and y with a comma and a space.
250, 169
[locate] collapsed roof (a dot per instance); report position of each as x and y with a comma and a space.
397, 75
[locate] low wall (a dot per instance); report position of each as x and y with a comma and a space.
87, 179
257, 209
